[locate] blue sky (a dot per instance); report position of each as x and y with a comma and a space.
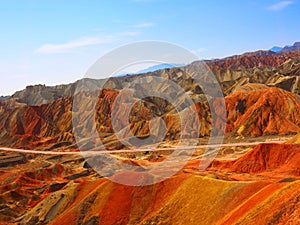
54, 42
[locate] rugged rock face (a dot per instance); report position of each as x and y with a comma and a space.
284, 75
25, 184
252, 110
31, 126
255, 110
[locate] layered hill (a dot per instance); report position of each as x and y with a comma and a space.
252, 110
257, 110
30, 126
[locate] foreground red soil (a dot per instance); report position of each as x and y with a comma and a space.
261, 187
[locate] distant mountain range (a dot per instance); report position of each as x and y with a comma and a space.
276, 49
159, 67
150, 69
287, 48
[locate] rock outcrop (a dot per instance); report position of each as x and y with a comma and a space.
255, 110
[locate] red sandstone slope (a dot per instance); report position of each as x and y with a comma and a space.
280, 160
182, 199
34, 197
263, 111
30, 126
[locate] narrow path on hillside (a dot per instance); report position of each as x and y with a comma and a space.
104, 151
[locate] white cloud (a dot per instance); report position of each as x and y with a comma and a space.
65, 47
82, 42
280, 5
142, 25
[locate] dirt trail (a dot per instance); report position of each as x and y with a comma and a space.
97, 152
